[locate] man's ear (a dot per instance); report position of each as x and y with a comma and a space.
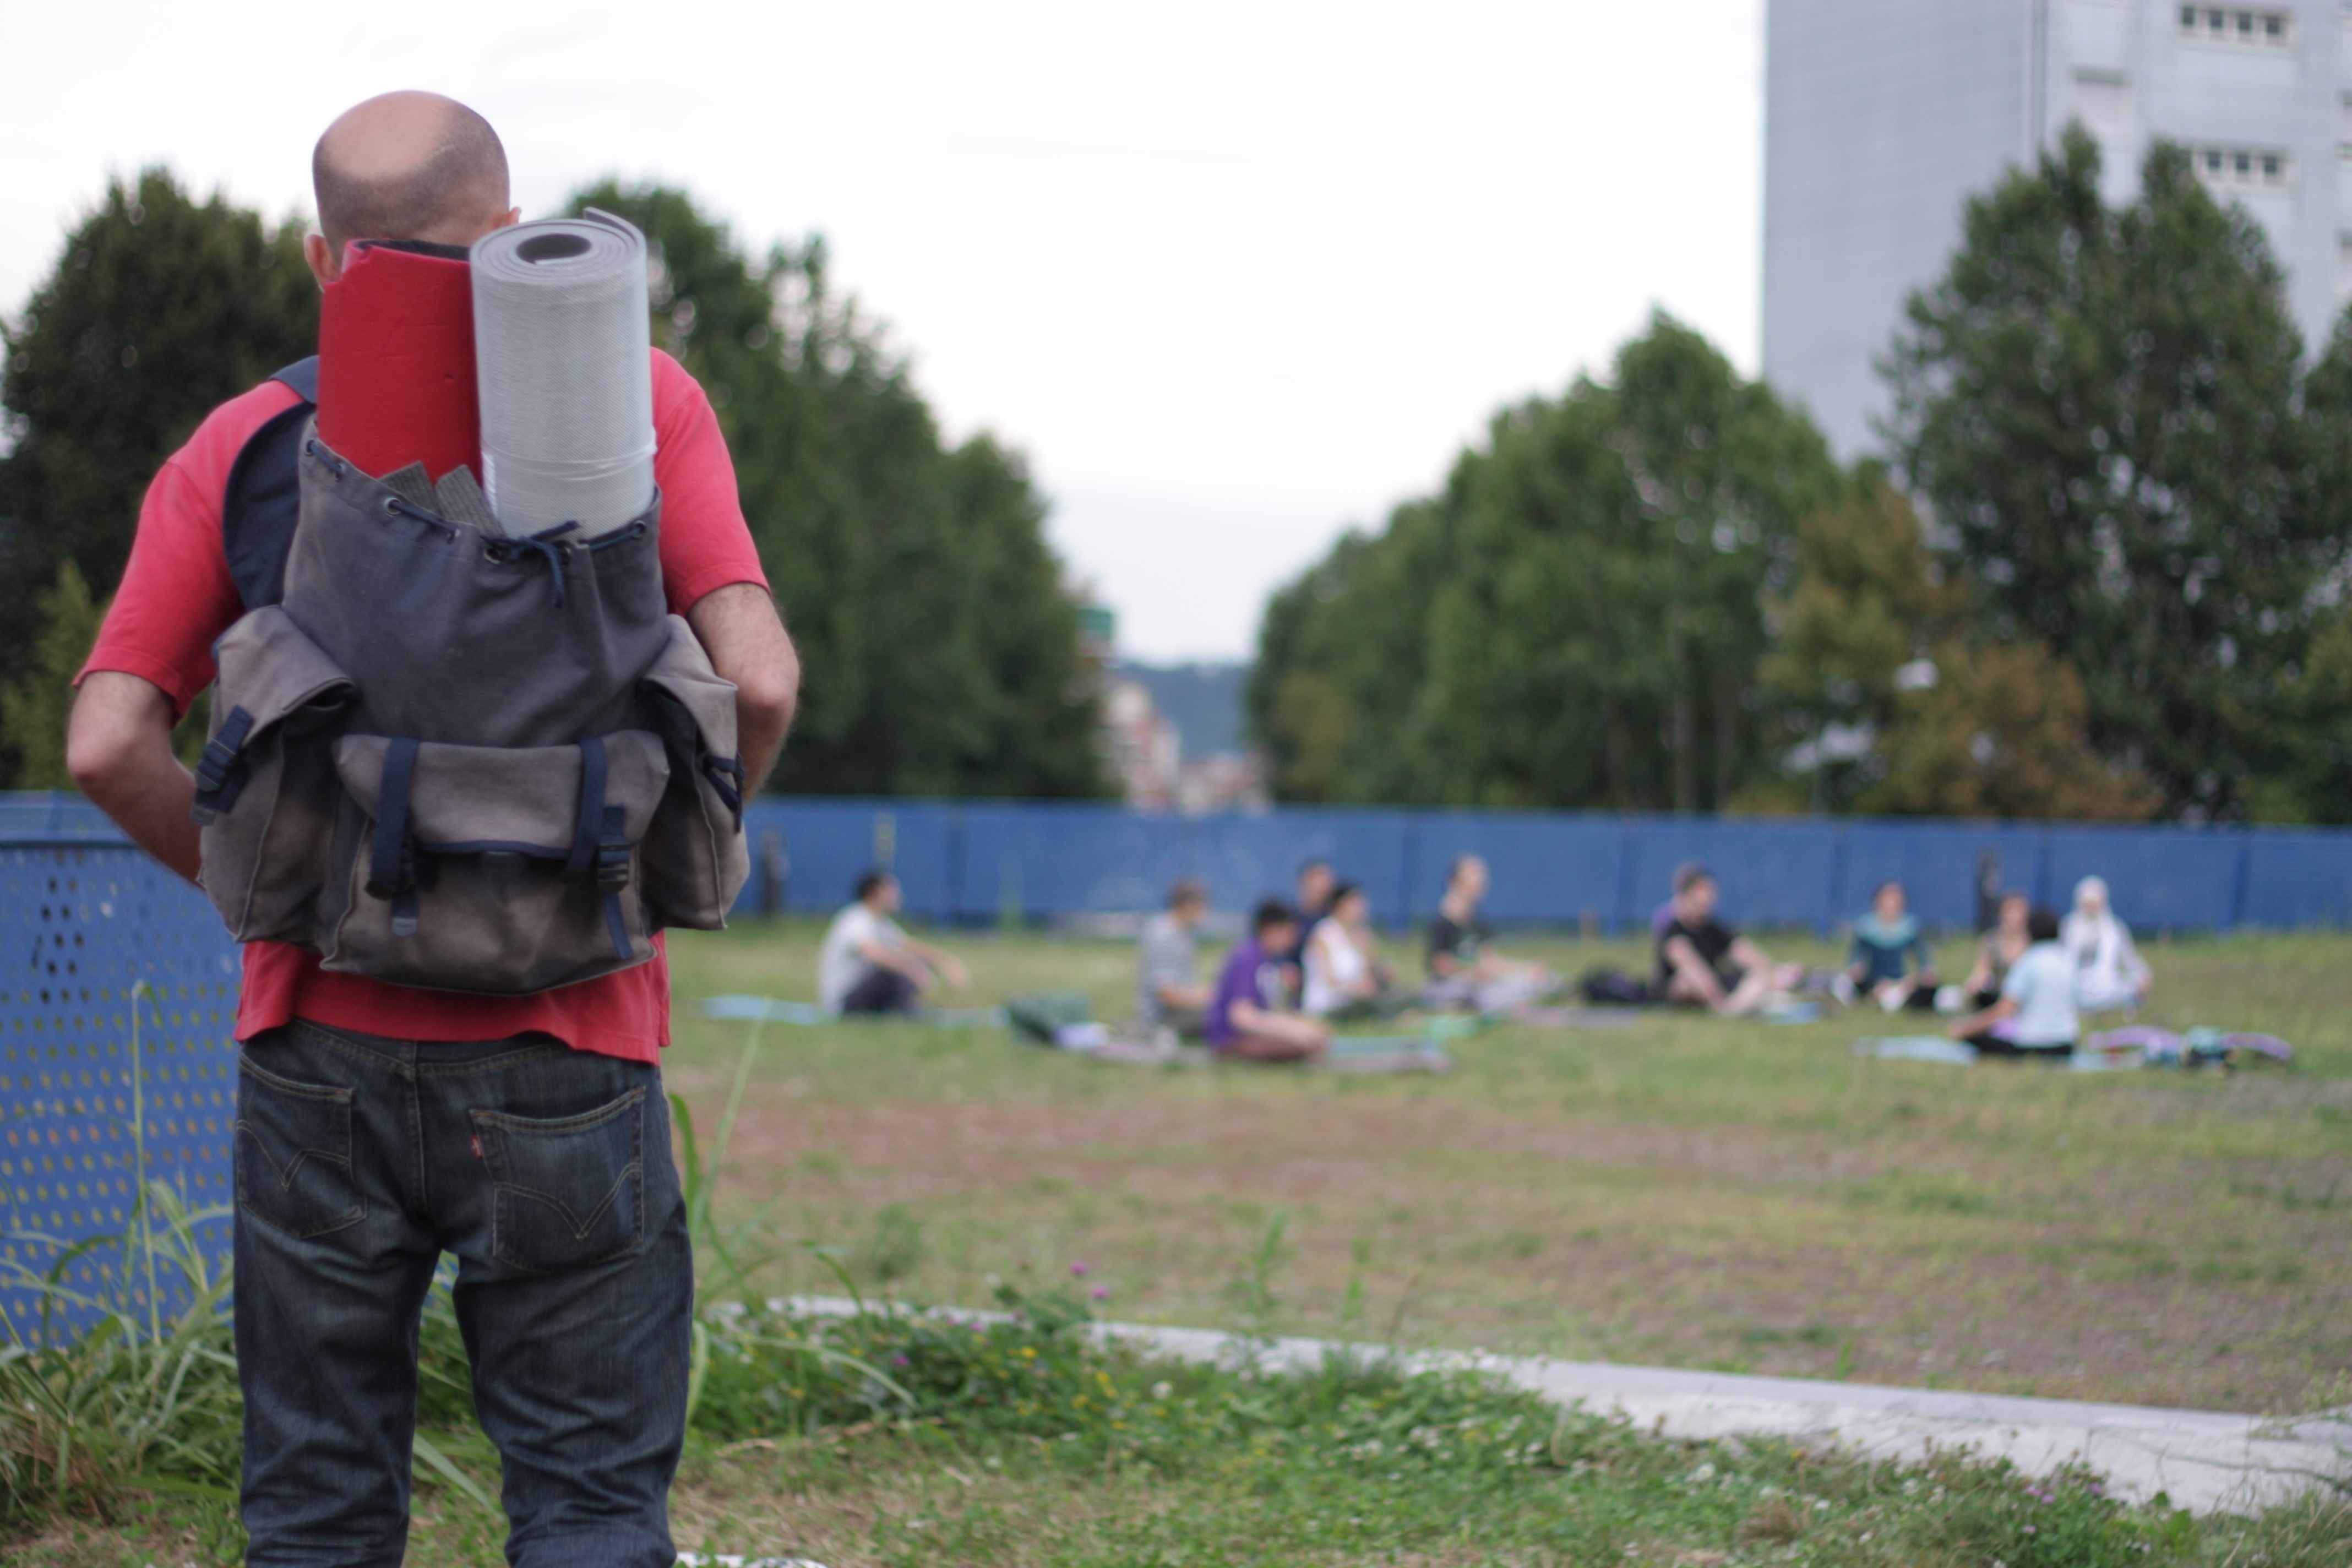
326, 261
513, 216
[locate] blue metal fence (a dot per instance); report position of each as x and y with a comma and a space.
84, 924
978, 862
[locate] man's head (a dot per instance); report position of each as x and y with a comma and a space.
407, 166
1693, 893
1274, 925
2041, 925
1315, 880
1888, 901
1188, 900
1467, 878
879, 892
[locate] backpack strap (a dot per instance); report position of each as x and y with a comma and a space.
264, 497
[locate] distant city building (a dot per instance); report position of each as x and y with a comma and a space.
1882, 116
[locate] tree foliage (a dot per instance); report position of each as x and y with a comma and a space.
940, 651
159, 306
37, 691
1574, 621
1905, 706
2104, 408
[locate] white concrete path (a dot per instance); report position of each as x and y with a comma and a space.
2204, 1460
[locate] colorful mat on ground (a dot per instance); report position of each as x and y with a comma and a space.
2113, 1051
774, 1010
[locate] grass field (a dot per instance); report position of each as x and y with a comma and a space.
1688, 1192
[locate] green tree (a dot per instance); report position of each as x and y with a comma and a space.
1574, 621
2103, 408
159, 308
37, 693
940, 649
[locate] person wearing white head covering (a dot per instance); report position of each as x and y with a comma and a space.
2109, 973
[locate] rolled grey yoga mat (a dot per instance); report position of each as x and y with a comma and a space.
561, 342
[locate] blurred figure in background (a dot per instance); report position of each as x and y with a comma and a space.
2035, 1014
2110, 974
1249, 1014
869, 966
1344, 978
1996, 951
1702, 963
1890, 963
1167, 991
1465, 971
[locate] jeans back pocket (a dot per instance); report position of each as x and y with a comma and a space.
570, 1190
293, 1164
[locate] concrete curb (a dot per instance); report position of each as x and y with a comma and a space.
2205, 1461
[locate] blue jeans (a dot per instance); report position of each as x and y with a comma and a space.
547, 1173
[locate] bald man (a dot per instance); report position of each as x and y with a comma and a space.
379, 1126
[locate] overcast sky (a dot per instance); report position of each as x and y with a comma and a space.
1235, 277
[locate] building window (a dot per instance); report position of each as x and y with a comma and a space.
2103, 103
2257, 168
2241, 27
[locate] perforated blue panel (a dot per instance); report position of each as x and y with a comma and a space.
79, 927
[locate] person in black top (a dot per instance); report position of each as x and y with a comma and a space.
1702, 963
1464, 971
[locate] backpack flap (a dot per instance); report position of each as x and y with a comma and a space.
265, 789
499, 870
695, 856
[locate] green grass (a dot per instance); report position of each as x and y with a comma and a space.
1689, 1192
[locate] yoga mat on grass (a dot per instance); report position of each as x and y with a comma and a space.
774, 1010
562, 349
396, 376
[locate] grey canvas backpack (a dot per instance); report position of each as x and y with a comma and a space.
443, 757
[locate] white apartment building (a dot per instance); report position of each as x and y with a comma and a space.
1883, 116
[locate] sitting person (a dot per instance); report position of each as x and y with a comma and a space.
1702, 963
868, 966
2110, 974
1464, 971
1344, 978
1249, 1013
1887, 941
1997, 951
1167, 991
2035, 1014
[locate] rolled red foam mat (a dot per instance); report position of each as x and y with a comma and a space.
396, 379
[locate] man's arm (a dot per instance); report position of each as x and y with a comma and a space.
948, 964
1682, 956
118, 750
2006, 1007
748, 644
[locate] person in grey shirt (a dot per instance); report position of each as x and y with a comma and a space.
1167, 991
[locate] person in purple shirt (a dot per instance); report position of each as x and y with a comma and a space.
1249, 1014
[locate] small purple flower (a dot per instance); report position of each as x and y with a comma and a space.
2033, 1530
1102, 1292
900, 1360
1078, 1270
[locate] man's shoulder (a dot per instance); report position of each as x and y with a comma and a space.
230, 426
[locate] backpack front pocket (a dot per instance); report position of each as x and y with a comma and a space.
502, 870
266, 788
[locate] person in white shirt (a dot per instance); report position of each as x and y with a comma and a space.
1343, 976
2036, 1016
2109, 973
868, 966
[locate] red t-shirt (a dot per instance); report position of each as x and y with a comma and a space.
177, 597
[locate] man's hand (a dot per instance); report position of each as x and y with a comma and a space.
740, 629
118, 750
